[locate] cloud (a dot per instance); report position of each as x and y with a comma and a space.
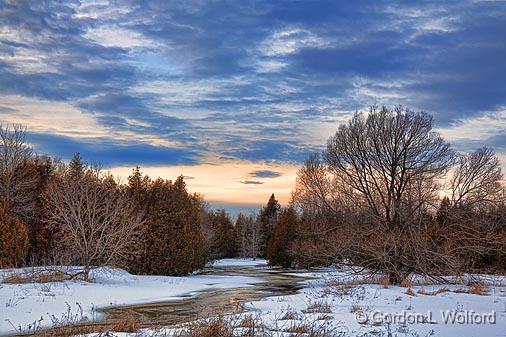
222, 181
100, 10
265, 174
251, 182
291, 40
482, 128
110, 153
63, 119
264, 81
112, 36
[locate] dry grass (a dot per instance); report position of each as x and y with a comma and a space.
410, 292
289, 315
356, 308
71, 330
385, 283
40, 276
433, 293
129, 323
324, 317
478, 288
298, 329
219, 326
319, 307
213, 327
406, 283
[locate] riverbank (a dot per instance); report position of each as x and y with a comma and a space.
339, 303
29, 306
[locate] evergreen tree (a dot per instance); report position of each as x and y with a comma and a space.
224, 238
13, 239
443, 213
173, 241
137, 188
268, 217
284, 234
76, 166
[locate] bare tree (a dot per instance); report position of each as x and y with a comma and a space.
15, 185
372, 201
249, 236
314, 187
380, 156
390, 162
256, 235
97, 224
243, 228
477, 179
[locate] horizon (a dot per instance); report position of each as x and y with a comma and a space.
234, 96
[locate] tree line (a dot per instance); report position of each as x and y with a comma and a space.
390, 195
56, 213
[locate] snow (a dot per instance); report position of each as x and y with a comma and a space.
23, 304
351, 304
348, 298
239, 262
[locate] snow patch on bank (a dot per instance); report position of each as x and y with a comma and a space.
23, 304
238, 263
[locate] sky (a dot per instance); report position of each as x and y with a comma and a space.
235, 95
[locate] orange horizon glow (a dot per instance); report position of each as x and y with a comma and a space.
226, 182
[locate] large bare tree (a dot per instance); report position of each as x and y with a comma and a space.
384, 166
97, 224
383, 155
371, 200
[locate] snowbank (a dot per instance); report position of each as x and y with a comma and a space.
365, 309
23, 304
239, 263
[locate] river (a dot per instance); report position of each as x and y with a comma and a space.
274, 282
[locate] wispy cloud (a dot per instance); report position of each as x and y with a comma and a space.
265, 174
64, 119
477, 128
291, 40
113, 36
198, 82
251, 182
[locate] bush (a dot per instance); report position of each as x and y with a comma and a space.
173, 243
13, 239
169, 249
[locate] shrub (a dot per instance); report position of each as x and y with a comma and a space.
173, 242
13, 239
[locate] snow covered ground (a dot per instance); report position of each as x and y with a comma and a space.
347, 306
238, 263
374, 310
333, 299
23, 304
